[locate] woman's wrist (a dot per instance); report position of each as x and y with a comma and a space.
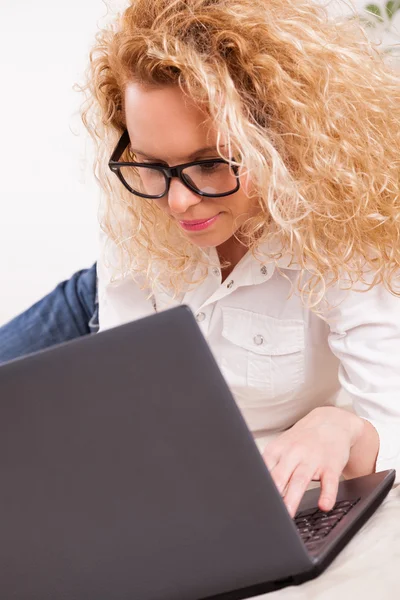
363, 438
364, 452
351, 422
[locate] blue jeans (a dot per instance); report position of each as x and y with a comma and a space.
68, 312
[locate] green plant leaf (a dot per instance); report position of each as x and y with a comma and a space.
392, 6
392, 50
369, 23
374, 9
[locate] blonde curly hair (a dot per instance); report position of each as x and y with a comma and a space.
307, 103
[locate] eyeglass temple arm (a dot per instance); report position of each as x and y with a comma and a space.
120, 147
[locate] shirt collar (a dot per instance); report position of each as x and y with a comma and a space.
260, 266
251, 270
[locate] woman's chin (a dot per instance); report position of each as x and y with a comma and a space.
208, 240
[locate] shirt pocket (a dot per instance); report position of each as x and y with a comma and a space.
262, 357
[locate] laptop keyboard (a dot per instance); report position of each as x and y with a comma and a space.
314, 524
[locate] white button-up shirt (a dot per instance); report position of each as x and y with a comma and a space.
279, 358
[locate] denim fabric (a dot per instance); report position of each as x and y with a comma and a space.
69, 311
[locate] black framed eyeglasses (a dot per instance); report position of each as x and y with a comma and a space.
211, 177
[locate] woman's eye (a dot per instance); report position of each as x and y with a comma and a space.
210, 167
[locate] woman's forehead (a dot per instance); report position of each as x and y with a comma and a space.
164, 123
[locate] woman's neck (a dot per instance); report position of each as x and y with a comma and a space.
231, 251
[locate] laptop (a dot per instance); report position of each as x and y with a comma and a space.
128, 473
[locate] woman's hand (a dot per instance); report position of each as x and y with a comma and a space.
316, 448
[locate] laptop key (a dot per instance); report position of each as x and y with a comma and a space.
314, 525
342, 511
304, 530
324, 532
321, 523
344, 503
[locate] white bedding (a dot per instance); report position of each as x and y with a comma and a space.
368, 568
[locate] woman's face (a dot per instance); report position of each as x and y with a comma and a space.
166, 127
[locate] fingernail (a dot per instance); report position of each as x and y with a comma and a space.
326, 504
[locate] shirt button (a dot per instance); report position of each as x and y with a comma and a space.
200, 317
264, 270
258, 340
230, 284
215, 272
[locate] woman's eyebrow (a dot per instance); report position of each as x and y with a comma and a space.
192, 156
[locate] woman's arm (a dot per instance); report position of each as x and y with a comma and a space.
365, 336
364, 453
329, 441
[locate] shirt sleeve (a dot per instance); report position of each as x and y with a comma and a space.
121, 299
365, 337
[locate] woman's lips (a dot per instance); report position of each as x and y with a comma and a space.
198, 225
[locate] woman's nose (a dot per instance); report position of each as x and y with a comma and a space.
180, 198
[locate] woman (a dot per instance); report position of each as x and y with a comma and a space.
256, 147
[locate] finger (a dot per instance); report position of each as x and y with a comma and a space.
284, 469
297, 485
329, 489
271, 457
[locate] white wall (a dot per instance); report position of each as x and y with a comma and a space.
48, 226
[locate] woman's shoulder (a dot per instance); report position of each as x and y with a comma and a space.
365, 302
122, 293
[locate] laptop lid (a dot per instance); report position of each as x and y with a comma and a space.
128, 472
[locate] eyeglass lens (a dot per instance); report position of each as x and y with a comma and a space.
208, 178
